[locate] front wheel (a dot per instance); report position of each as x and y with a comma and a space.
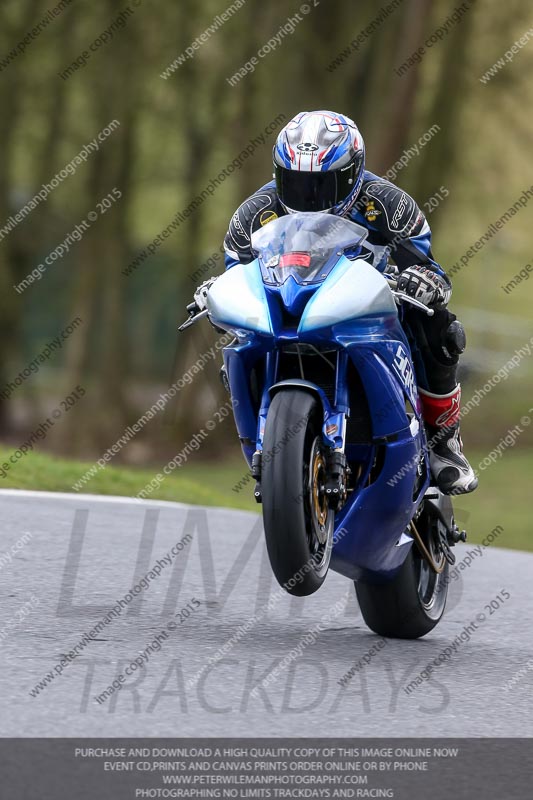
297, 520
413, 602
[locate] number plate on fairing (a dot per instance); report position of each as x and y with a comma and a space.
404, 369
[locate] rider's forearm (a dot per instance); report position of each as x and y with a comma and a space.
417, 250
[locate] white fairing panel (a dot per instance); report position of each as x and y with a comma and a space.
353, 289
237, 300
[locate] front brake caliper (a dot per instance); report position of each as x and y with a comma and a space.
256, 474
336, 482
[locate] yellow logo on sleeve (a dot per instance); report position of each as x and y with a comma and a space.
371, 211
266, 217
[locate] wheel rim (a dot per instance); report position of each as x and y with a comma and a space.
317, 479
431, 584
320, 516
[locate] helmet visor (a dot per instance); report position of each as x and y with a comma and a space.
314, 191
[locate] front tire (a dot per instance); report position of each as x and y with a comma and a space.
297, 520
413, 602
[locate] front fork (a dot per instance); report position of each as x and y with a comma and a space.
333, 428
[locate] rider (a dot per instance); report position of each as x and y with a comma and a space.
319, 166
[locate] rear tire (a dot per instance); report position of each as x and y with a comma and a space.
297, 520
411, 604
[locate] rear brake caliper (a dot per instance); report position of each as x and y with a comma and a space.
448, 538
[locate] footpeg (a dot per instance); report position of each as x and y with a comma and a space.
455, 535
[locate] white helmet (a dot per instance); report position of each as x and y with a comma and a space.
319, 163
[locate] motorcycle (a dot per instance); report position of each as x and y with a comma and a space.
329, 419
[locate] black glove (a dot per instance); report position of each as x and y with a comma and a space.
426, 285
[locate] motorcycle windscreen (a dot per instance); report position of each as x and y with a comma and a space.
304, 245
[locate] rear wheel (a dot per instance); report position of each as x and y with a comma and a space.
297, 520
413, 602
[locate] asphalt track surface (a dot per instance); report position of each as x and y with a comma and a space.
85, 553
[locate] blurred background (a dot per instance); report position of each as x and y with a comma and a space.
80, 257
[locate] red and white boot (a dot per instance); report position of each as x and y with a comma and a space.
450, 469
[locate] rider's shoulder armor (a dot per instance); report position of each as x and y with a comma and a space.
389, 210
258, 210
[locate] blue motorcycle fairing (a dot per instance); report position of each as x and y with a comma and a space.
379, 515
363, 332
237, 301
294, 297
351, 290
240, 358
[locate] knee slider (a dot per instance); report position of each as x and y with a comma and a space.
454, 340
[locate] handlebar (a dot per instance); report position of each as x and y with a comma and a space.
404, 298
195, 314
191, 308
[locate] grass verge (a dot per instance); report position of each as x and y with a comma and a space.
501, 499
